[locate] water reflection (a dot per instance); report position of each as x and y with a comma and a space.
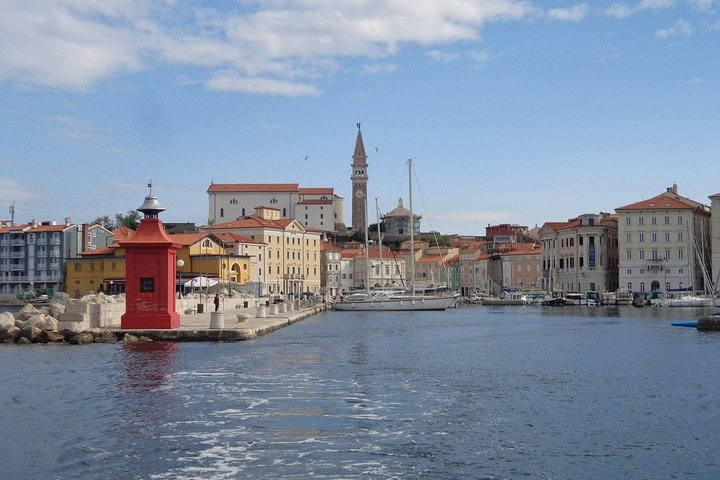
147, 365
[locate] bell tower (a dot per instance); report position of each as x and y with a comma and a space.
359, 180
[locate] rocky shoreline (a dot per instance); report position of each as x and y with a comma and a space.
35, 324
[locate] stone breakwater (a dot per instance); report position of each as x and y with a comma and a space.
51, 324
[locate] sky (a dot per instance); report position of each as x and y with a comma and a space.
519, 112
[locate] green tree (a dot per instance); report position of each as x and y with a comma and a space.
131, 219
105, 221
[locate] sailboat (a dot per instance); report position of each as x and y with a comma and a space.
386, 301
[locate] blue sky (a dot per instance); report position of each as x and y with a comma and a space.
515, 112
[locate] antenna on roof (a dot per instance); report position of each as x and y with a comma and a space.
150, 186
12, 214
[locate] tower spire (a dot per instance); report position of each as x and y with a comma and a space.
359, 179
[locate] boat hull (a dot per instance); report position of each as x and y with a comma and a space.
397, 304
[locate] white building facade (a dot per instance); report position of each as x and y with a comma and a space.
316, 208
664, 244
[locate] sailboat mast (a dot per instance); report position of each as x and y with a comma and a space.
412, 230
377, 215
367, 250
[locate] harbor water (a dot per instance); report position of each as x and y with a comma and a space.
475, 392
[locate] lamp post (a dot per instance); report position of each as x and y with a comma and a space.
180, 264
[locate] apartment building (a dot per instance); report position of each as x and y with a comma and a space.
664, 244
33, 256
580, 254
292, 263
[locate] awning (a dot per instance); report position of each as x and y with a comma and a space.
200, 282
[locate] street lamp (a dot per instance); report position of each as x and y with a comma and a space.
180, 264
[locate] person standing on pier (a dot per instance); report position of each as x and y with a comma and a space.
217, 301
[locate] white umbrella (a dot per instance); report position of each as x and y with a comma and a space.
200, 282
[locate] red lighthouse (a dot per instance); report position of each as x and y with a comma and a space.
150, 273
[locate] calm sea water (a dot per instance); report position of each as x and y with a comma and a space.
478, 392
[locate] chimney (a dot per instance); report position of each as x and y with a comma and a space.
673, 189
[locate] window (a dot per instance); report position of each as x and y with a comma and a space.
641, 221
628, 221
653, 220
629, 286
628, 255
641, 237
580, 240
655, 255
667, 254
680, 220
629, 271
222, 212
681, 254
233, 201
654, 237
667, 220
680, 236
667, 238
628, 238
147, 285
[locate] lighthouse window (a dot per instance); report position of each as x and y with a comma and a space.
147, 285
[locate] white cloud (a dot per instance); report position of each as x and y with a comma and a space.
441, 56
229, 82
623, 10
681, 27
13, 190
266, 45
619, 10
572, 14
704, 5
695, 80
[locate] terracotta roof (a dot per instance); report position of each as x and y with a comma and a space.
431, 259
186, 239
252, 222
253, 187
664, 201
122, 233
104, 251
228, 237
563, 225
316, 191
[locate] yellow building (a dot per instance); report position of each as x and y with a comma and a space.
200, 254
292, 260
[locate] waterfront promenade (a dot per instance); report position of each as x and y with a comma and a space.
236, 324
